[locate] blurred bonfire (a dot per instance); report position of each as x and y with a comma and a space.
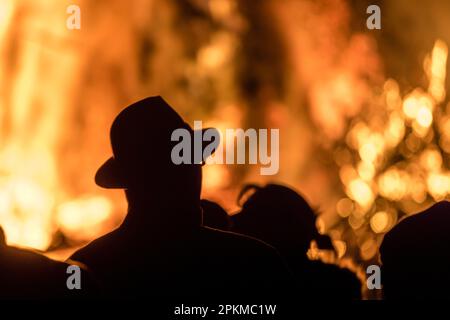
394, 158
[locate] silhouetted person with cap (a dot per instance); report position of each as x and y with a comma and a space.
416, 256
214, 216
282, 218
25, 274
161, 248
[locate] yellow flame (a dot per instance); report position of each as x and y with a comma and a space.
437, 72
379, 222
84, 218
361, 192
36, 103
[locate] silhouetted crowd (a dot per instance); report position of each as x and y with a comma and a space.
172, 243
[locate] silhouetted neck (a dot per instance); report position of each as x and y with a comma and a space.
167, 218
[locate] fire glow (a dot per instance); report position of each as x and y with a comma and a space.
60, 90
33, 202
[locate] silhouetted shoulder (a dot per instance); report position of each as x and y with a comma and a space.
25, 274
236, 242
214, 216
251, 261
89, 254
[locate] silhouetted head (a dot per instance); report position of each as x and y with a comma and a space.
416, 255
214, 216
279, 216
141, 139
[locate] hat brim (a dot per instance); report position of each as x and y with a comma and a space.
110, 176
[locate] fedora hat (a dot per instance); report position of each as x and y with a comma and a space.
141, 143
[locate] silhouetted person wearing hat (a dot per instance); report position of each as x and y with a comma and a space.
25, 274
282, 218
416, 256
162, 249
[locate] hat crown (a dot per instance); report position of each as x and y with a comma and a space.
144, 125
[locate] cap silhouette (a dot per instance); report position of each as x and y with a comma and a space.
416, 255
282, 218
274, 213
